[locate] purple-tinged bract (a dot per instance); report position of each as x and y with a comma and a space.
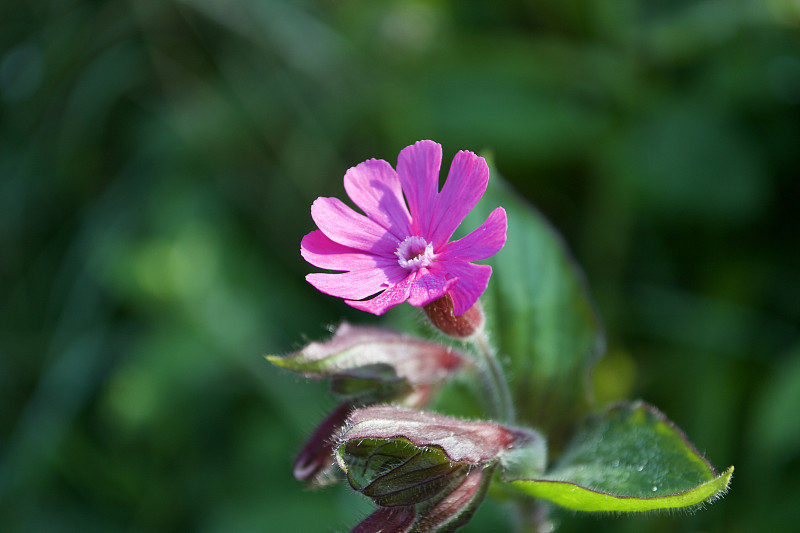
401, 250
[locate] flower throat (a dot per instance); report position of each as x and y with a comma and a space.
414, 253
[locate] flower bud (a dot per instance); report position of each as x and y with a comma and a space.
315, 462
437, 465
373, 364
456, 508
440, 313
365, 365
392, 472
388, 520
471, 442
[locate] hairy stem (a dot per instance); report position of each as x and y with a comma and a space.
534, 517
494, 380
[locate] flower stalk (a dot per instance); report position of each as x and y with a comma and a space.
493, 379
469, 327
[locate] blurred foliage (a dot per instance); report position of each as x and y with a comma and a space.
157, 163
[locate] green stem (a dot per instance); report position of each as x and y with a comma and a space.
534, 517
494, 380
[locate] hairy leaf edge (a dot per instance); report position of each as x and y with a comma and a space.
578, 498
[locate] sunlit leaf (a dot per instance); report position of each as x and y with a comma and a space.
629, 460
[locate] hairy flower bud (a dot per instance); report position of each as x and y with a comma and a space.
471, 442
441, 314
438, 465
388, 520
365, 365
393, 472
456, 508
373, 364
314, 463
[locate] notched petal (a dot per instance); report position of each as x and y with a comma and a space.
418, 169
374, 187
430, 285
392, 296
466, 182
472, 282
359, 284
482, 243
322, 252
343, 225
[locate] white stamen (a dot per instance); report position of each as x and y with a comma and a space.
414, 253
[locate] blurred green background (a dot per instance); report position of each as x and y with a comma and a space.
158, 161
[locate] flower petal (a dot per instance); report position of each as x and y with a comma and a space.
466, 182
394, 295
374, 187
418, 169
472, 282
484, 242
430, 285
457, 508
399, 519
358, 284
346, 227
316, 458
322, 252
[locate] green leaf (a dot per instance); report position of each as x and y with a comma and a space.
631, 459
540, 315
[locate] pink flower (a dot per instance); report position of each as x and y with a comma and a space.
400, 250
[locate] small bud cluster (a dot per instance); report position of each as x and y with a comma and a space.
426, 472
365, 366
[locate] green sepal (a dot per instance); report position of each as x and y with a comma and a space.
454, 509
377, 382
395, 472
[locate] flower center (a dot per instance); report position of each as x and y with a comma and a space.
414, 253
